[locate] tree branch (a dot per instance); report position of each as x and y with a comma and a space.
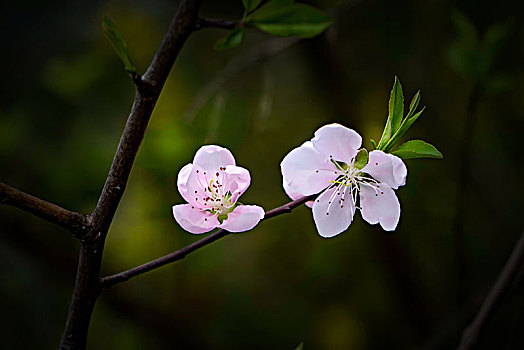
73, 221
87, 285
471, 333
147, 94
109, 281
202, 23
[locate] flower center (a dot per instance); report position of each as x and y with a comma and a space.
215, 196
348, 182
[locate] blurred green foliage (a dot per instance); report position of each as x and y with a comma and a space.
64, 102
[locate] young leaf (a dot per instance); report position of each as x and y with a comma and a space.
271, 6
118, 43
361, 159
250, 5
414, 104
280, 18
373, 144
404, 127
396, 106
386, 135
300, 346
417, 149
233, 39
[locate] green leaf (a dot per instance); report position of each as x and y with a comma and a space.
396, 106
233, 39
404, 127
386, 135
300, 346
417, 149
281, 18
414, 104
118, 43
272, 6
373, 144
361, 159
250, 5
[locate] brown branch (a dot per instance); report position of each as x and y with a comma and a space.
149, 86
215, 23
472, 332
154, 78
73, 221
109, 281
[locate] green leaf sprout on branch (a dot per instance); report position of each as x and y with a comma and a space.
119, 44
397, 125
282, 18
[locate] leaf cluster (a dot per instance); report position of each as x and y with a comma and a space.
282, 18
397, 125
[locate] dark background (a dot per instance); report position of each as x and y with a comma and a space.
64, 99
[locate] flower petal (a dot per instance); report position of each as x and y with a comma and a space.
337, 140
305, 171
243, 218
211, 158
386, 168
236, 180
380, 205
193, 219
340, 214
182, 184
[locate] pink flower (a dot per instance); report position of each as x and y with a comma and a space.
328, 164
211, 186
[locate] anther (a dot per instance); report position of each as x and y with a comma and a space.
217, 173
376, 163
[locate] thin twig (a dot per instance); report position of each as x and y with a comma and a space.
515, 260
109, 281
202, 23
267, 49
73, 221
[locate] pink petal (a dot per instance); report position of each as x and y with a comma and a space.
380, 205
337, 140
182, 184
243, 218
386, 168
211, 158
193, 219
236, 180
306, 171
340, 212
